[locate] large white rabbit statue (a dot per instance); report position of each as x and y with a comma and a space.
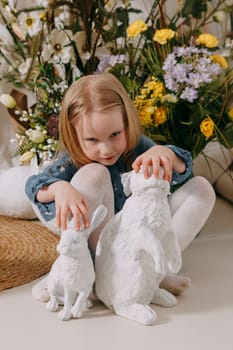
136, 249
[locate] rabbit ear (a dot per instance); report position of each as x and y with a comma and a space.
97, 217
125, 179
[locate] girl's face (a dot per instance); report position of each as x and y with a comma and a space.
102, 136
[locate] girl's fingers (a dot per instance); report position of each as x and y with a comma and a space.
84, 212
155, 164
77, 211
64, 218
146, 169
156, 167
76, 217
58, 216
167, 168
85, 219
137, 165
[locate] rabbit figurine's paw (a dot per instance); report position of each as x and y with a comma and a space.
65, 314
52, 304
143, 314
77, 312
88, 304
164, 298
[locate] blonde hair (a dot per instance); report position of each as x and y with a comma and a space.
98, 92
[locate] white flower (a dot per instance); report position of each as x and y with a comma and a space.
8, 101
26, 157
30, 23
219, 16
36, 136
57, 47
169, 98
62, 19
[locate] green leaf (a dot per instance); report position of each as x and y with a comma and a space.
226, 137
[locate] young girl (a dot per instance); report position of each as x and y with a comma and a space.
100, 139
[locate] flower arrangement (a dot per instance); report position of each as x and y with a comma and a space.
189, 104
187, 97
48, 45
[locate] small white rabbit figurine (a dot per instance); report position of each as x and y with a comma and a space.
136, 249
72, 275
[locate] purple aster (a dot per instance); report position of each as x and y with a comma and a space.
109, 61
187, 69
189, 94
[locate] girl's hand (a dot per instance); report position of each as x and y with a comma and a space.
156, 157
69, 203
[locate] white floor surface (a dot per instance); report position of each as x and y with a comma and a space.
202, 319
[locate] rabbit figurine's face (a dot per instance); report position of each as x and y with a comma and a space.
71, 243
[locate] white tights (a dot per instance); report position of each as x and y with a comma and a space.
190, 205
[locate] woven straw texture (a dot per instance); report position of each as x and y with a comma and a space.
27, 251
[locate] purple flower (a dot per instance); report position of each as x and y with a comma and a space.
189, 94
109, 61
187, 69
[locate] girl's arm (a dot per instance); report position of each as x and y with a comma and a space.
52, 193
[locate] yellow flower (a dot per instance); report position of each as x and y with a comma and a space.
230, 113
145, 118
8, 101
160, 116
207, 40
145, 103
163, 35
220, 60
136, 28
207, 127
153, 87
169, 98
43, 16
26, 157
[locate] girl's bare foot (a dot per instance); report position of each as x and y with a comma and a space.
175, 284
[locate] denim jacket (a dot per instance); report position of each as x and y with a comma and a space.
64, 169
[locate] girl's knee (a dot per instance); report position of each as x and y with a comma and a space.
204, 189
92, 173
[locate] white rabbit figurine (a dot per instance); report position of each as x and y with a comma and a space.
72, 275
136, 249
